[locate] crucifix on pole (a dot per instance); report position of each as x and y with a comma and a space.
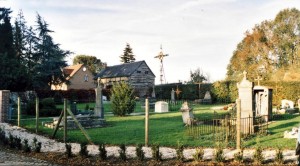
199, 83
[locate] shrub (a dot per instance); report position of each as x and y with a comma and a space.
122, 99
18, 143
258, 157
102, 152
279, 157
238, 157
26, 147
198, 155
122, 152
36, 145
68, 150
219, 157
179, 152
11, 141
155, 152
139, 152
83, 150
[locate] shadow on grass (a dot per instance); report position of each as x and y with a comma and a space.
284, 125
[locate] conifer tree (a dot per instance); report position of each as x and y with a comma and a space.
128, 56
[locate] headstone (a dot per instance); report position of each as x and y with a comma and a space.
245, 91
287, 104
172, 95
161, 106
99, 111
4, 105
187, 114
263, 102
207, 95
207, 98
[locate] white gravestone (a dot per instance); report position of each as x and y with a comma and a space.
161, 106
287, 104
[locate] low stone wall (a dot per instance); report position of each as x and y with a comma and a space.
50, 145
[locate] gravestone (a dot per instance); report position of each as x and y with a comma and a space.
207, 98
4, 105
161, 106
99, 110
245, 91
287, 104
263, 102
172, 95
187, 114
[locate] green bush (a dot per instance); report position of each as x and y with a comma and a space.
122, 99
139, 152
179, 152
198, 155
83, 150
156, 154
68, 150
102, 152
122, 152
47, 107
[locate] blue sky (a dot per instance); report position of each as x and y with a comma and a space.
195, 33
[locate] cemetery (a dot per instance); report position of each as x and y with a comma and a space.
89, 113
191, 124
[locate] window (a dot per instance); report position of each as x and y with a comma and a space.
146, 72
86, 78
138, 71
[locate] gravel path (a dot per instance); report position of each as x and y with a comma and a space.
11, 159
49, 145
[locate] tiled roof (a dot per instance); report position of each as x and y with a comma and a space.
71, 70
123, 70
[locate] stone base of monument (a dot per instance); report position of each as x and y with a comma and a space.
86, 121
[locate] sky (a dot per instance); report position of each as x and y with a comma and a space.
195, 33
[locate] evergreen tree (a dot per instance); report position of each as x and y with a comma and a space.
49, 58
128, 56
12, 73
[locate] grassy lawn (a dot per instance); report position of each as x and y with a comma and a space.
167, 129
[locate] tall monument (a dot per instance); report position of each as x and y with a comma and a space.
99, 110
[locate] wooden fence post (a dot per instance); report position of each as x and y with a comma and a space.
37, 110
238, 124
65, 120
19, 110
146, 122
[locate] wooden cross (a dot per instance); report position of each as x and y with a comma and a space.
177, 92
258, 79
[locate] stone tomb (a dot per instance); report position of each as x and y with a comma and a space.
255, 101
263, 102
161, 106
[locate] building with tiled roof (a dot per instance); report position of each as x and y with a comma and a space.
79, 77
138, 74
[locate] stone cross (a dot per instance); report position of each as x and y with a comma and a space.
258, 79
99, 105
172, 95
